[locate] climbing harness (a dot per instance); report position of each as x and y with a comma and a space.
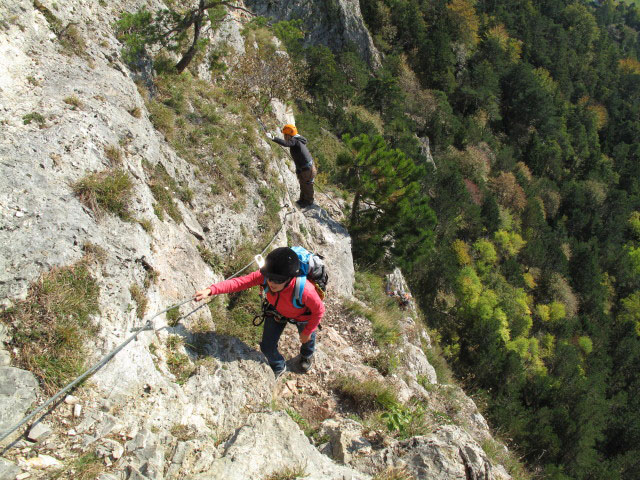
267, 310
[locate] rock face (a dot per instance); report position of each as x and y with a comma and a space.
8, 470
335, 23
447, 453
272, 443
18, 390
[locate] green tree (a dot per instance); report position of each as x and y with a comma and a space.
172, 28
388, 207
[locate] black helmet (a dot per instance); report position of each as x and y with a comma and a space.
281, 265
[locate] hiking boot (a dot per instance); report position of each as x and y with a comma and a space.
306, 363
303, 204
278, 373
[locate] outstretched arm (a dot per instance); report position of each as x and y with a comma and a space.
283, 142
232, 285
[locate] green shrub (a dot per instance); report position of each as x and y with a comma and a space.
33, 117
131, 31
173, 316
406, 421
50, 326
386, 362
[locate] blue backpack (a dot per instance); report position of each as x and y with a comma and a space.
311, 267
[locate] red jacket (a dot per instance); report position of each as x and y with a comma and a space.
282, 300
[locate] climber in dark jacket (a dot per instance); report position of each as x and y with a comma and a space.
305, 167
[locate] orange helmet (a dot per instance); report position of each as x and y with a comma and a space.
289, 130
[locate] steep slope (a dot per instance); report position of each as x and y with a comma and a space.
188, 400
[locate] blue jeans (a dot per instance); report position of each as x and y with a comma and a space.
271, 333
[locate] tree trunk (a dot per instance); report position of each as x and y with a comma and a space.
354, 208
189, 54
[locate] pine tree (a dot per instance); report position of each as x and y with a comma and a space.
389, 212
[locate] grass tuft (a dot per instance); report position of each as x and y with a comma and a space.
33, 117
235, 319
210, 258
109, 191
87, 467
394, 473
72, 40
50, 326
114, 154
173, 316
141, 300
288, 473
183, 432
366, 395
177, 362
74, 101
163, 187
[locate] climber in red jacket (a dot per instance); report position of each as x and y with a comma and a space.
280, 270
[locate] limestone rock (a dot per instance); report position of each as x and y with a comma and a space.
8, 470
108, 476
110, 448
43, 461
5, 358
39, 432
346, 439
4, 334
17, 393
282, 445
417, 363
335, 27
332, 241
448, 453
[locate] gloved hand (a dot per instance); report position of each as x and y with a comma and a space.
269, 136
